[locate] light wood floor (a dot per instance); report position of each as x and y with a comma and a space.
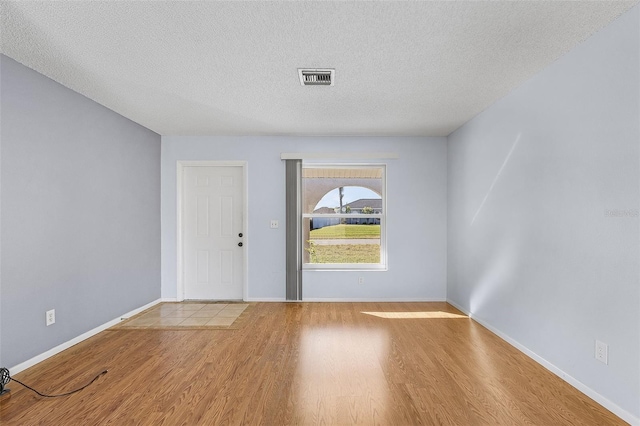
313, 363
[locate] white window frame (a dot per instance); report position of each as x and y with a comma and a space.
382, 266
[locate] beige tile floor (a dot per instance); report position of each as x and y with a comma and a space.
188, 314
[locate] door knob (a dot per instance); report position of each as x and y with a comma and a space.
240, 235
239, 244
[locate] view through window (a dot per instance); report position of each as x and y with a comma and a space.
343, 216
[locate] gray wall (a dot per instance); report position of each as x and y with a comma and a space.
533, 249
416, 215
80, 217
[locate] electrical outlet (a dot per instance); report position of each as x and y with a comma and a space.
274, 224
602, 352
51, 317
360, 280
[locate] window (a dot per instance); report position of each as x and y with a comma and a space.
343, 216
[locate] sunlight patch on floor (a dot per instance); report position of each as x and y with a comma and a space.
414, 315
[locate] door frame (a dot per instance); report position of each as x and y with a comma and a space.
180, 165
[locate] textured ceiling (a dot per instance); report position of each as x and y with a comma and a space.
230, 68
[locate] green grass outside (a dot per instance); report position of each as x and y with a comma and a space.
345, 253
346, 231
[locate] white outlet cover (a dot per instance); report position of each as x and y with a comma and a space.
51, 317
274, 224
602, 352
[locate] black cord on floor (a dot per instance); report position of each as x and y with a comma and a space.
62, 394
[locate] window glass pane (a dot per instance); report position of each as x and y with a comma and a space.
342, 243
342, 190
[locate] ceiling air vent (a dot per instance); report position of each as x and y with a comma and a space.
316, 77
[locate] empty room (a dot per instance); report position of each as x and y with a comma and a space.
426, 212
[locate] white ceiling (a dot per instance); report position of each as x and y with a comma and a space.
230, 68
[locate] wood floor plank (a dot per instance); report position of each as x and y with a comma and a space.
304, 363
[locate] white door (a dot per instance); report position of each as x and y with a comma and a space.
212, 227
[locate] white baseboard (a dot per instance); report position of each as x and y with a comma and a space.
265, 299
66, 345
248, 299
323, 299
368, 299
606, 403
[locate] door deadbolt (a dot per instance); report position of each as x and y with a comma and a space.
240, 235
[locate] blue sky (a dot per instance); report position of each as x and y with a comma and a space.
351, 193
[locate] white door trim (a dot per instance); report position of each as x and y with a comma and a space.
180, 165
